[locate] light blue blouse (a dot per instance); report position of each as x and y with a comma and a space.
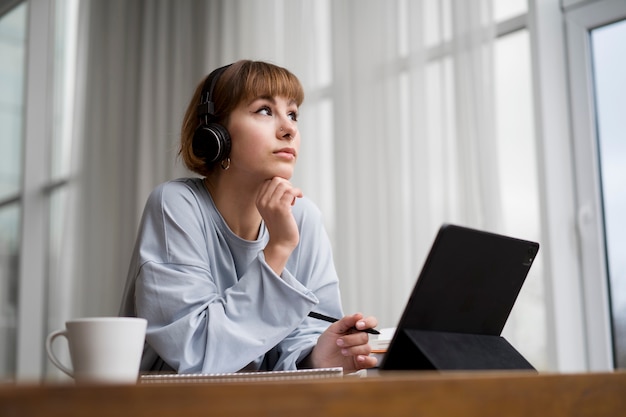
211, 301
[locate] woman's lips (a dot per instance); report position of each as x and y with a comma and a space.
287, 153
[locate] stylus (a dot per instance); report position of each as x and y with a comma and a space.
332, 320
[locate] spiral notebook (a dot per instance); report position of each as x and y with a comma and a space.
242, 376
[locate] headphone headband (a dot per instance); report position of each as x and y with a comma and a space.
206, 107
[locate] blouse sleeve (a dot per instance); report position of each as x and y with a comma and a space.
194, 323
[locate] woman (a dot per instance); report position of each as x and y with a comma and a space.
227, 267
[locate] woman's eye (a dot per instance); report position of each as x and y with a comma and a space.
293, 116
266, 111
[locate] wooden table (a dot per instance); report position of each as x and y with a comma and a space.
412, 394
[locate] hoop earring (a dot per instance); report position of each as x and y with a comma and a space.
227, 165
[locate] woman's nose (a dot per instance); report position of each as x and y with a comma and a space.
287, 130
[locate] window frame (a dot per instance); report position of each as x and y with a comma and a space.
581, 18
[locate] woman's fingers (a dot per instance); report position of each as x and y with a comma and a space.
278, 192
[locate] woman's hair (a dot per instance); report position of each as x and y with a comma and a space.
242, 81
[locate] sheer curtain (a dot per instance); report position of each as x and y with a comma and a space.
138, 62
414, 143
397, 125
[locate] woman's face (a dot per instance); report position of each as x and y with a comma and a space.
265, 138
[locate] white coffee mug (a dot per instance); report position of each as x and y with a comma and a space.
102, 349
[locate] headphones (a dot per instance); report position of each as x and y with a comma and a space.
211, 140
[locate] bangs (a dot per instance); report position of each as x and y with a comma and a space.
246, 81
272, 82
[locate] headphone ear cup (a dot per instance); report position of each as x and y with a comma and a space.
211, 142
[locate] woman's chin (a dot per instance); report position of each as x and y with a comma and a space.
283, 173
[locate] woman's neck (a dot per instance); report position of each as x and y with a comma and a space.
237, 205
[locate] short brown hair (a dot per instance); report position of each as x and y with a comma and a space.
242, 81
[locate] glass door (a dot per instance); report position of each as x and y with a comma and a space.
596, 35
608, 54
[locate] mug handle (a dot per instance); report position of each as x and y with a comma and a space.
53, 359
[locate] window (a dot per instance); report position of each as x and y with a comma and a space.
609, 66
35, 138
596, 34
519, 190
12, 64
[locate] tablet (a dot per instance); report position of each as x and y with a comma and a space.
461, 302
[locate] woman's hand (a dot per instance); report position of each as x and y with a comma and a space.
342, 344
274, 202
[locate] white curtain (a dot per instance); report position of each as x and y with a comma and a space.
413, 145
138, 63
397, 125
